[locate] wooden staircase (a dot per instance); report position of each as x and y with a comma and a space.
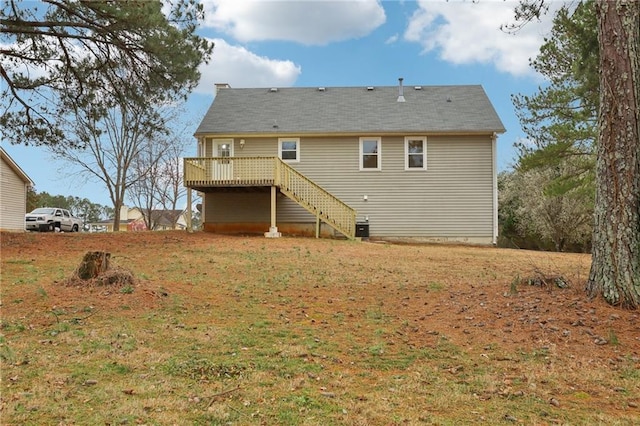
315, 199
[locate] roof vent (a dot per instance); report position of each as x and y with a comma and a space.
273, 89
321, 89
369, 88
400, 90
448, 99
417, 87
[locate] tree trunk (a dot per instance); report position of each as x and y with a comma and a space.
615, 268
93, 264
117, 205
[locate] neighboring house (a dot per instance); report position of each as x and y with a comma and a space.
14, 186
395, 163
127, 217
131, 219
161, 220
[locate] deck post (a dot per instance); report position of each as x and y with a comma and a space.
273, 230
318, 226
189, 214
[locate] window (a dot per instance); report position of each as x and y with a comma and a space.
370, 152
224, 149
415, 149
289, 149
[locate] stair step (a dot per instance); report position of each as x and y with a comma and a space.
297, 180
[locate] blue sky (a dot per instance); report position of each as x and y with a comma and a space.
310, 43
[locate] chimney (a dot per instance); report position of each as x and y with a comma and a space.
401, 91
221, 86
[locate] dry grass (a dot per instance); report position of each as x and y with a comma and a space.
246, 330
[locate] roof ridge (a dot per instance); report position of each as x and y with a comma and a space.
267, 88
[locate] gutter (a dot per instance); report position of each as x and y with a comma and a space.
494, 161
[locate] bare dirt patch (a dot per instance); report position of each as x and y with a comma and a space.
357, 333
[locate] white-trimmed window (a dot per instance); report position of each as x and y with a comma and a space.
415, 153
289, 149
370, 153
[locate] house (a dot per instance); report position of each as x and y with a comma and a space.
131, 219
14, 186
127, 218
395, 163
161, 220
169, 219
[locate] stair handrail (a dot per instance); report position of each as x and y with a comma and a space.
315, 199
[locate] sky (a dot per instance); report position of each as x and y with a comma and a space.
345, 43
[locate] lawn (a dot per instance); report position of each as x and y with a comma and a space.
243, 330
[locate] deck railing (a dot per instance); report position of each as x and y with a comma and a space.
271, 171
226, 171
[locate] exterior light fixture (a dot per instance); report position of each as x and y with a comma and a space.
241, 143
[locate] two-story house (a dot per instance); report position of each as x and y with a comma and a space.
396, 163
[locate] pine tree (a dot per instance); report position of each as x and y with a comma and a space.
59, 50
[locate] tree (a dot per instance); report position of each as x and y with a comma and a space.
535, 213
88, 211
44, 199
32, 199
103, 69
159, 190
112, 144
79, 207
172, 178
615, 266
57, 49
560, 120
555, 171
144, 192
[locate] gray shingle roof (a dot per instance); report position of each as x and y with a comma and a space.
304, 110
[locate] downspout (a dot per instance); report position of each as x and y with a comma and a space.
202, 152
494, 150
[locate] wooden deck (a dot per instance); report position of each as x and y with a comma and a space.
204, 174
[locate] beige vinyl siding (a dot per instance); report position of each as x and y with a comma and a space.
257, 147
254, 207
228, 207
253, 147
452, 198
13, 199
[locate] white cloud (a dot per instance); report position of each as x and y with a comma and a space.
463, 32
394, 38
241, 68
309, 22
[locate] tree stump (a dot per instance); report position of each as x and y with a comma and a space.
93, 264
